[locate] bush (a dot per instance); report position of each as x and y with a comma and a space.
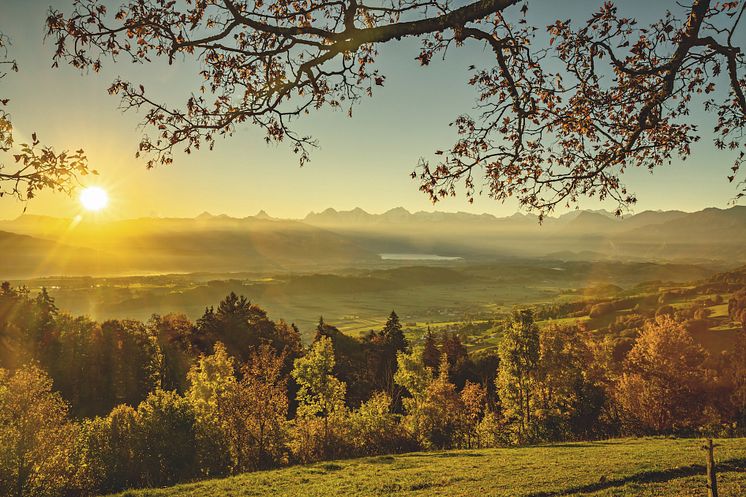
314, 438
167, 440
373, 429
493, 431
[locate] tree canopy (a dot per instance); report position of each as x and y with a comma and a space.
562, 111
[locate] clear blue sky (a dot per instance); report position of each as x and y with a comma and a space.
363, 162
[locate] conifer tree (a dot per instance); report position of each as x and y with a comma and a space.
394, 334
430, 351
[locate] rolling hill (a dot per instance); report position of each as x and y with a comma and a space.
626, 467
25, 256
158, 245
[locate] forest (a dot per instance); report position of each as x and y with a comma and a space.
142, 347
90, 407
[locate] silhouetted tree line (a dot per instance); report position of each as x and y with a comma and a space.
89, 408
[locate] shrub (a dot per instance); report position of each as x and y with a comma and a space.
167, 441
373, 429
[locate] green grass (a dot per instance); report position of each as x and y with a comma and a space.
563, 321
719, 311
626, 467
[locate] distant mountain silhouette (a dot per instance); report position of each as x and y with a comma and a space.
204, 243
352, 238
711, 234
262, 215
590, 223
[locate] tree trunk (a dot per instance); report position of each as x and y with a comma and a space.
326, 436
20, 481
261, 463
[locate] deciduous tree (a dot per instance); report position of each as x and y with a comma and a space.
562, 112
36, 438
320, 393
167, 439
28, 168
253, 412
473, 398
518, 371
662, 387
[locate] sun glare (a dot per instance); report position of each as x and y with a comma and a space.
94, 198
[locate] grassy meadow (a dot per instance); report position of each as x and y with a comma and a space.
624, 467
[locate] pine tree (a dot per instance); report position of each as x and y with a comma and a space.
430, 351
321, 329
394, 334
43, 337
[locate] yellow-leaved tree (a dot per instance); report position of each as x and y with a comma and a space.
321, 406
37, 439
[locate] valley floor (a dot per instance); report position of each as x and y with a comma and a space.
624, 467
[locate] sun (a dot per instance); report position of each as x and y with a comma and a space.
94, 198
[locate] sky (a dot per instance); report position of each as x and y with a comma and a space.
363, 161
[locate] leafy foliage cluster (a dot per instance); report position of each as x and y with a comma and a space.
563, 111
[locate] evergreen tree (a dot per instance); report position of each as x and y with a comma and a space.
46, 308
394, 334
323, 329
242, 327
459, 364
430, 351
383, 348
44, 333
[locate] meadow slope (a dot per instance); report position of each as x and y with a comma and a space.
626, 467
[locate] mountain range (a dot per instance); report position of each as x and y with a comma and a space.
710, 234
41, 245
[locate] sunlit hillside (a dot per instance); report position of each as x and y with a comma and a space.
630, 468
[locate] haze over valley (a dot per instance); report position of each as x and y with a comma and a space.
353, 267
38, 246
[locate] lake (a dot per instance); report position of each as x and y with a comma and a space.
417, 257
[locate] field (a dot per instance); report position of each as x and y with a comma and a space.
626, 467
